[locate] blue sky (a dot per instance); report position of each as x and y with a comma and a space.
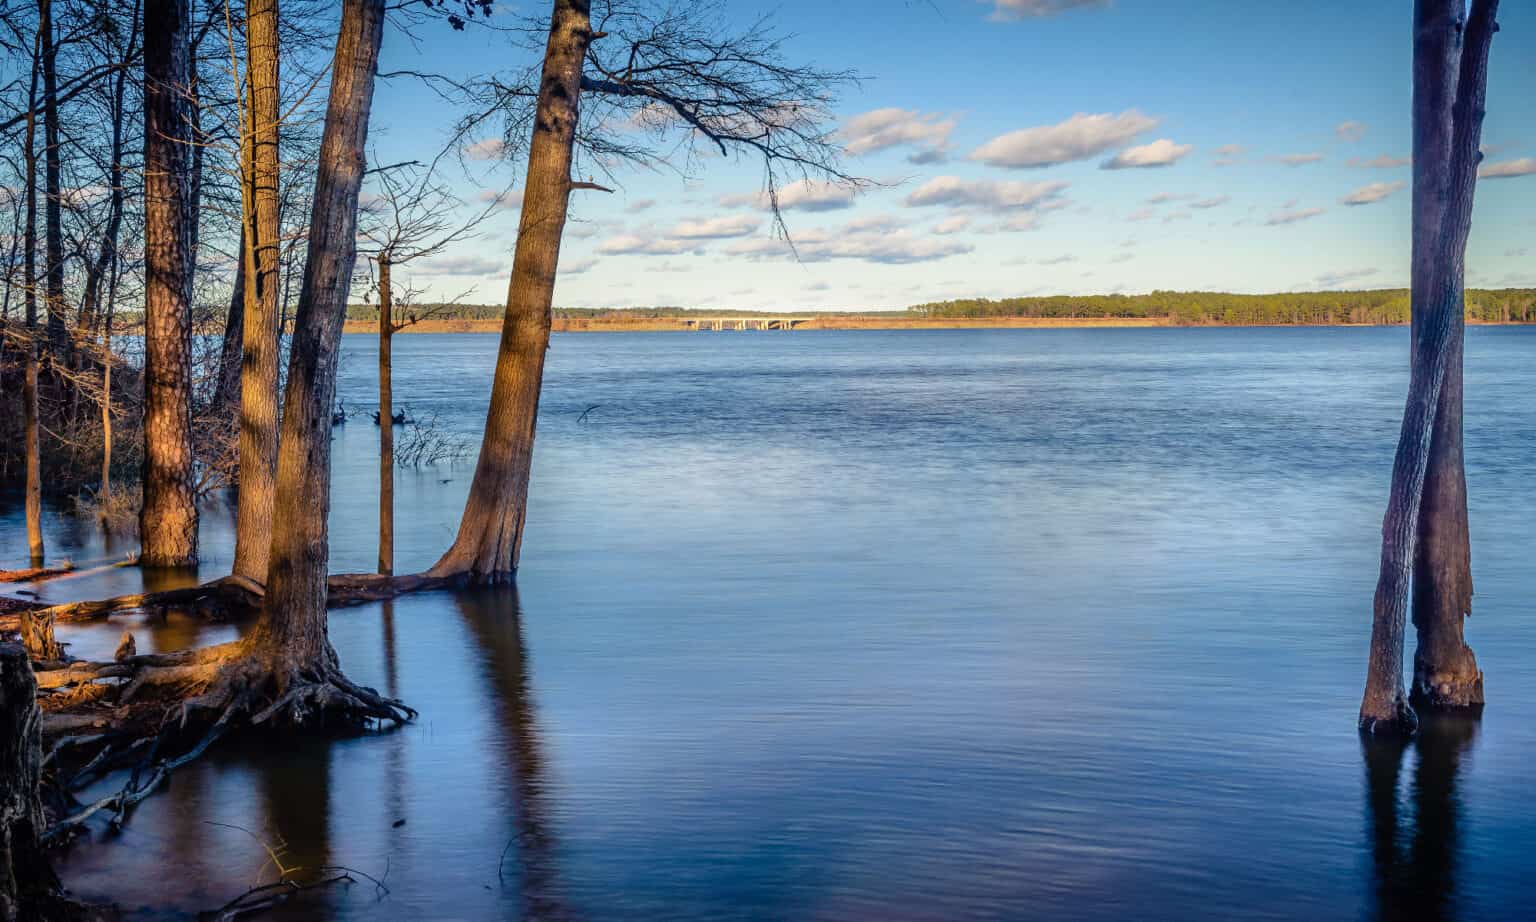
1241, 128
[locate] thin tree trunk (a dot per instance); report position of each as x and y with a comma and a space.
1450, 83
28, 888
168, 518
292, 631
227, 394
261, 256
29, 411
491, 532
104, 502
53, 228
386, 422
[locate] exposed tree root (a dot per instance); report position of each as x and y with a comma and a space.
159, 702
235, 593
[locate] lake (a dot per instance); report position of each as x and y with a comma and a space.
935, 625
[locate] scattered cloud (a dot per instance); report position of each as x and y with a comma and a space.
1299, 159
639, 205
1524, 166
1211, 202
646, 245
739, 225
1350, 131
857, 243
989, 194
476, 266
1291, 217
1078, 138
953, 224
1176, 216
1163, 197
813, 195
510, 199
1039, 9
1375, 192
1122, 257
1161, 152
1057, 260
1141, 214
1335, 279
577, 266
489, 149
874, 222
1382, 162
881, 129
1229, 154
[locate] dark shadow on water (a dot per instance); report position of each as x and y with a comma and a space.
494, 619
1414, 835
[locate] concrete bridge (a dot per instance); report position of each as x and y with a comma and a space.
744, 323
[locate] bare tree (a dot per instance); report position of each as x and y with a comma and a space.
168, 517
682, 65
30, 409
1424, 536
410, 219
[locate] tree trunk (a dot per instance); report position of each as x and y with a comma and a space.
168, 518
53, 228
28, 888
386, 422
1449, 88
260, 254
29, 411
226, 395
491, 531
291, 634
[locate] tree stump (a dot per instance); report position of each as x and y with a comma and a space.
28, 888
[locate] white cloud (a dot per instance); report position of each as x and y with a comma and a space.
577, 266
1291, 217
1524, 166
461, 265
1382, 162
853, 242
1037, 9
1161, 152
1164, 197
644, 245
953, 224
1375, 192
639, 205
739, 225
874, 222
1350, 131
1176, 216
814, 195
1299, 159
489, 149
1140, 214
1078, 138
881, 129
990, 194
1335, 279
510, 199
1211, 202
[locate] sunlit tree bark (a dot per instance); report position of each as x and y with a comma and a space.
386, 419
168, 517
1450, 75
29, 404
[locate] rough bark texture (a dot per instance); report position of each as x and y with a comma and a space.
29, 411
258, 367
1449, 88
168, 518
386, 424
28, 889
491, 531
292, 628
53, 226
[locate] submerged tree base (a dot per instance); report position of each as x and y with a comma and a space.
128, 714
1396, 719
1448, 693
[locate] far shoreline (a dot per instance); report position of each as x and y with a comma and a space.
664, 325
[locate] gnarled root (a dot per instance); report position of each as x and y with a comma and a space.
167, 700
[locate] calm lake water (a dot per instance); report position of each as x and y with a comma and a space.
889, 625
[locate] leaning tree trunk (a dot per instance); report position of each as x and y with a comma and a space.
491, 531
386, 421
29, 891
29, 407
226, 394
1450, 83
291, 634
168, 518
260, 255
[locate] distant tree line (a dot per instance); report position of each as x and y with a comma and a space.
1380, 306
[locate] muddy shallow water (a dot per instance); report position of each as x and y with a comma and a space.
899, 625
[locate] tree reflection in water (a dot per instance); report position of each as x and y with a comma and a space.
494, 619
1414, 839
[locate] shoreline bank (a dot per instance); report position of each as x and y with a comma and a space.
660, 325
